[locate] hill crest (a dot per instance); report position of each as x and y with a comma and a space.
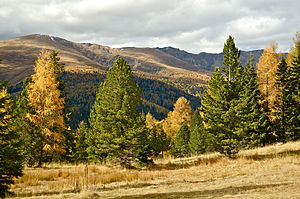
20, 53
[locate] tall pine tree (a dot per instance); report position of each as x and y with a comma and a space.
59, 68
283, 101
80, 150
199, 140
221, 101
231, 141
287, 99
253, 125
214, 105
117, 130
230, 105
159, 141
10, 156
181, 145
29, 133
294, 101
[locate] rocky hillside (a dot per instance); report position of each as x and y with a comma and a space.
207, 61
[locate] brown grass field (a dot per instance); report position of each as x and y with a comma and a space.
268, 172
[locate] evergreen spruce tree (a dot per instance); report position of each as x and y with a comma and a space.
165, 142
294, 100
30, 134
214, 105
196, 120
233, 69
287, 100
154, 142
117, 130
253, 127
227, 114
10, 156
230, 138
282, 102
141, 150
181, 142
199, 141
59, 68
159, 141
80, 150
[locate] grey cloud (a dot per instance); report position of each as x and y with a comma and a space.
192, 25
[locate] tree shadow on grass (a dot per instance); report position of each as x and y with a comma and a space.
274, 155
143, 185
43, 193
183, 164
205, 193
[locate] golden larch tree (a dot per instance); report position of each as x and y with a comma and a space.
151, 122
181, 113
267, 67
44, 97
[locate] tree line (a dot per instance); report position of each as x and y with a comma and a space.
241, 108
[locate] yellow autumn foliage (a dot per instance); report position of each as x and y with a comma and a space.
6, 105
267, 67
180, 114
151, 122
44, 96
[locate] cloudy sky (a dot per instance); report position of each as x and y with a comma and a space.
192, 25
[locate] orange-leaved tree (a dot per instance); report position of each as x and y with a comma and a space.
267, 67
44, 97
151, 122
180, 114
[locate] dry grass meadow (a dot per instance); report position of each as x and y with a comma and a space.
269, 172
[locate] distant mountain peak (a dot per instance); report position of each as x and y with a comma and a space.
168, 48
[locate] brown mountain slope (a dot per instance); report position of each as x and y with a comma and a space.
19, 55
144, 59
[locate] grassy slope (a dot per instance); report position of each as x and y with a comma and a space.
269, 172
19, 55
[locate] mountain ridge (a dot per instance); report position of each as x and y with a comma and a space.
19, 55
208, 61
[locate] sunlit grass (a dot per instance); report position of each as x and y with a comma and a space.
265, 172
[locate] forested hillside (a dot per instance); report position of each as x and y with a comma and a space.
158, 97
81, 87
